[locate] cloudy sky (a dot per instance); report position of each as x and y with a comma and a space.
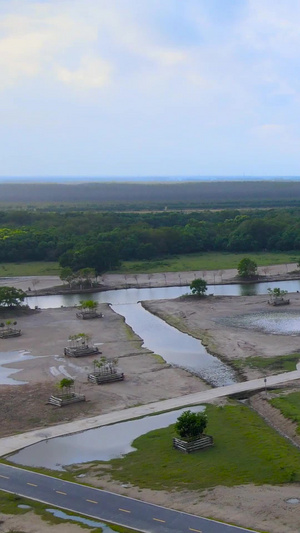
149, 87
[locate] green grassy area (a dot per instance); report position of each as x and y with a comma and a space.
289, 405
274, 365
34, 268
9, 505
245, 450
178, 263
205, 261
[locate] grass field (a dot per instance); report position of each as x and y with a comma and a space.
289, 405
245, 450
206, 261
274, 365
34, 268
179, 263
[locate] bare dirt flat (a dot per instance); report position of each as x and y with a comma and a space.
45, 334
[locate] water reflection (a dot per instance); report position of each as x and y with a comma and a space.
100, 444
6, 358
178, 349
130, 296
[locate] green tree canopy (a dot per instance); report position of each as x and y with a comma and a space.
11, 297
198, 287
247, 268
190, 426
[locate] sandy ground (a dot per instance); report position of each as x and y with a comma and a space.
148, 379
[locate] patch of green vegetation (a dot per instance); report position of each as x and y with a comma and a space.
274, 365
204, 261
245, 450
289, 406
34, 268
9, 504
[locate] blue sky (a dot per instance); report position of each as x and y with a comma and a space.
149, 87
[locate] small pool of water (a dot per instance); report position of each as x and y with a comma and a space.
276, 322
100, 444
81, 520
6, 358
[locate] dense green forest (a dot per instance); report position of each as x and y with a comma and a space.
127, 196
103, 240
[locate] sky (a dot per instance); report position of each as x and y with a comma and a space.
149, 88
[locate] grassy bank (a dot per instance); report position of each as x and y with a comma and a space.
272, 365
289, 405
205, 261
246, 450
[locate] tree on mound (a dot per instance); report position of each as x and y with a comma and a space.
190, 426
247, 268
65, 385
198, 287
11, 297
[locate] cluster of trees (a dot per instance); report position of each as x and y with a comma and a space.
102, 240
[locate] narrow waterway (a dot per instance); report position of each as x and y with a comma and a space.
178, 349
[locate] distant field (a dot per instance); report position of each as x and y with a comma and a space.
37, 268
206, 261
179, 263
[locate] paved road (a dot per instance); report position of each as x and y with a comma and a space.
106, 506
16, 442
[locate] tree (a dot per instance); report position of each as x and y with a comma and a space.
67, 274
198, 287
66, 384
247, 268
190, 426
11, 297
90, 305
277, 292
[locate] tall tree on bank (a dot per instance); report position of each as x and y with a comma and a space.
247, 268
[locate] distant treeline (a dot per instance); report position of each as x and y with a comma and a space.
133, 196
103, 240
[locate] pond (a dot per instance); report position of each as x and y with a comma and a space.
275, 322
100, 444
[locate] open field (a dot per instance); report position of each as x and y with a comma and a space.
206, 261
178, 263
34, 268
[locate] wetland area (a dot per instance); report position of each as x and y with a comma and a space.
151, 374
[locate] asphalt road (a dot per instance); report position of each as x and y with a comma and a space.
106, 506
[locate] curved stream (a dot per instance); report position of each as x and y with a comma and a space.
178, 349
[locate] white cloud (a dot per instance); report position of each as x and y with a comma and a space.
92, 73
